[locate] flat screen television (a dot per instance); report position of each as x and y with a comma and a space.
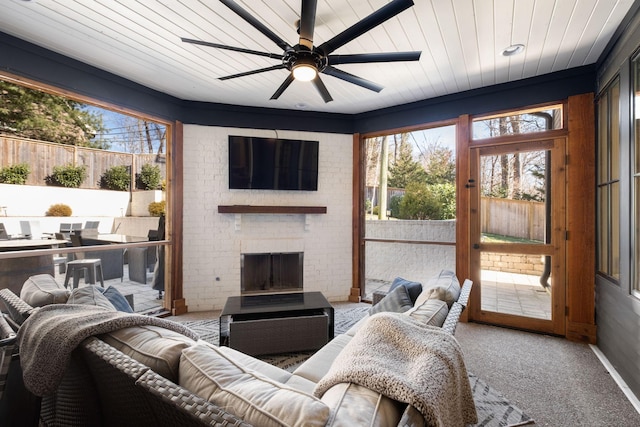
272, 164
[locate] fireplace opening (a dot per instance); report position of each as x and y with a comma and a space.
266, 273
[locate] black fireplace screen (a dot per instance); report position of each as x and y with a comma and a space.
271, 273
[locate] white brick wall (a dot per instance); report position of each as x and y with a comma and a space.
213, 242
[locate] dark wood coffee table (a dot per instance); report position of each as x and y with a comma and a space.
277, 323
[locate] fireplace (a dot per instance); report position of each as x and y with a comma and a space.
267, 273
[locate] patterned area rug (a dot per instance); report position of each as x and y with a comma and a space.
494, 410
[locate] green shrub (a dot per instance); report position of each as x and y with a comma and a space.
423, 202
116, 178
157, 208
59, 209
394, 206
68, 176
376, 210
149, 177
15, 174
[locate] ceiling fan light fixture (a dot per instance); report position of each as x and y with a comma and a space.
304, 72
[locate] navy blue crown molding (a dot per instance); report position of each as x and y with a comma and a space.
27, 60
506, 96
30, 61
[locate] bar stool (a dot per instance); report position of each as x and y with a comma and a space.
90, 267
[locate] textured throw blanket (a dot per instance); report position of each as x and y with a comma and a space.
405, 360
48, 337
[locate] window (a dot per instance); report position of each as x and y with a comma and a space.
519, 122
608, 181
410, 204
69, 166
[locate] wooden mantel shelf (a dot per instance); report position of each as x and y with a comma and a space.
251, 209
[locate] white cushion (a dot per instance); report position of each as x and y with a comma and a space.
208, 373
315, 367
249, 362
154, 346
90, 295
42, 289
431, 312
355, 405
445, 286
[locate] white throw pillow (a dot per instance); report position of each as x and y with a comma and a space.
42, 289
431, 312
445, 286
90, 295
258, 400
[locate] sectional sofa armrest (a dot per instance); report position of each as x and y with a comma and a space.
7, 344
465, 291
456, 309
16, 308
131, 393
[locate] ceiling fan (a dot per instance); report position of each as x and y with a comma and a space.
306, 61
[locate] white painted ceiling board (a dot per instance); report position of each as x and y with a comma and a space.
461, 43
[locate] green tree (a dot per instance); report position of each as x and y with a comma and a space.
34, 114
439, 164
406, 170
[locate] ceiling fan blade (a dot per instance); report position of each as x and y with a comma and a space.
248, 73
283, 87
347, 77
307, 23
362, 58
256, 24
376, 18
235, 49
324, 93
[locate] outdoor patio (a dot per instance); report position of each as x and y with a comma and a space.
508, 293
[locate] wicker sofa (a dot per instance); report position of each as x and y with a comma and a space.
106, 384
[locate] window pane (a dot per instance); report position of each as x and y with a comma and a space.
636, 183
513, 199
603, 140
603, 230
516, 284
615, 230
517, 123
614, 129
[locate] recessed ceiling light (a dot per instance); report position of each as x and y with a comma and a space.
514, 49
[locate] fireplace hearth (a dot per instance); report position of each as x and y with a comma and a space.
268, 273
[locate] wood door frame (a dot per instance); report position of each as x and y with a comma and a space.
579, 113
556, 249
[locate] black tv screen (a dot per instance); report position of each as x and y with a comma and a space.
272, 164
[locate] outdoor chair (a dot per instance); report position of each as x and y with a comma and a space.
91, 268
112, 260
3, 233
31, 229
91, 225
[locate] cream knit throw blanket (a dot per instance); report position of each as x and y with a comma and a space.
405, 360
49, 335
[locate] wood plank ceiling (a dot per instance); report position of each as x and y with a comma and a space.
461, 43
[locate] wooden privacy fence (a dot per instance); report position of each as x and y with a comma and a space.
515, 218
43, 156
